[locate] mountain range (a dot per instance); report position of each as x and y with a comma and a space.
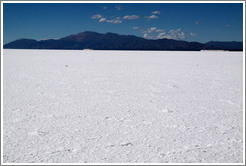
112, 41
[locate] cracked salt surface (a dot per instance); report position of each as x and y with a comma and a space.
122, 106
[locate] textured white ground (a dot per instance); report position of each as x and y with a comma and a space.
122, 106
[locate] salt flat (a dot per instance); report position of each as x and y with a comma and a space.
122, 106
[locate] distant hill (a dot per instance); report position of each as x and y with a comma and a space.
233, 46
112, 41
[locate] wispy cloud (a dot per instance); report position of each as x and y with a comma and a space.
131, 17
116, 20
197, 22
156, 12
228, 25
100, 18
118, 8
105, 7
150, 33
96, 16
175, 34
135, 27
193, 34
152, 17
161, 35
159, 30
157, 33
151, 30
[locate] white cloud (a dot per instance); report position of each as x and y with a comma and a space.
103, 20
161, 35
152, 17
132, 17
228, 25
151, 30
156, 33
116, 20
175, 34
100, 18
96, 16
156, 12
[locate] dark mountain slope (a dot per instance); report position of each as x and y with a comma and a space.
112, 41
234, 46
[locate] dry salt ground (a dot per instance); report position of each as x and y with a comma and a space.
63, 106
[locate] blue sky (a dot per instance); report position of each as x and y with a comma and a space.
200, 22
